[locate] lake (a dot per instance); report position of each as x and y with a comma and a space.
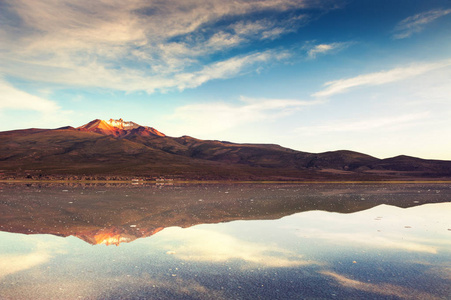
225, 241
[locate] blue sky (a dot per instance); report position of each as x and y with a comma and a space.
369, 76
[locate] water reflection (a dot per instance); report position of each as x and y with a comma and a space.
268, 242
117, 214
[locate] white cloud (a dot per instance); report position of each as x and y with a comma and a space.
325, 48
12, 98
128, 79
112, 44
416, 23
379, 78
209, 246
43, 250
10, 264
221, 116
225, 69
266, 28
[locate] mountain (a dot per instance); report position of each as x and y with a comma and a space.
116, 149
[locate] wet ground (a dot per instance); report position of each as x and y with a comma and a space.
247, 241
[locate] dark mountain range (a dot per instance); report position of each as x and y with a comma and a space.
116, 149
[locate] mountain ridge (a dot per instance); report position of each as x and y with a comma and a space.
119, 149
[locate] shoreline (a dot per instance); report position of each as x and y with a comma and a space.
173, 182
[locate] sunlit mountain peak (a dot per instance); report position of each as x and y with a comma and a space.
121, 124
111, 239
116, 235
119, 128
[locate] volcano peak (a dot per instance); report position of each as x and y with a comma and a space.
118, 128
121, 124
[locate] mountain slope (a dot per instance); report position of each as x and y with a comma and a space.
117, 149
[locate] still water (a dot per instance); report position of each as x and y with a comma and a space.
247, 241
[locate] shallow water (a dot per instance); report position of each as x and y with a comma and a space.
319, 241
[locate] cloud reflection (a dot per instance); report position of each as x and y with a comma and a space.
30, 252
210, 246
384, 289
369, 239
13, 263
382, 227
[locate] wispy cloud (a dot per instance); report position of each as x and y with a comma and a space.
383, 289
96, 74
325, 48
416, 23
379, 78
221, 116
128, 45
13, 98
226, 69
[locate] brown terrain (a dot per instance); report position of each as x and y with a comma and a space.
118, 150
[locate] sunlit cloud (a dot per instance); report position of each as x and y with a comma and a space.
379, 78
416, 23
140, 45
210, 246
221, 116
97, 75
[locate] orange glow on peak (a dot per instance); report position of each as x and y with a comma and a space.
107, 238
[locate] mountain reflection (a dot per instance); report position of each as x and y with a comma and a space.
117, 214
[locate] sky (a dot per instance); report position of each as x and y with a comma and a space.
311, 75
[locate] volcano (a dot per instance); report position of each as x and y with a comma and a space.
116, 149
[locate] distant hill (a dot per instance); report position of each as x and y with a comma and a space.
116, 149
